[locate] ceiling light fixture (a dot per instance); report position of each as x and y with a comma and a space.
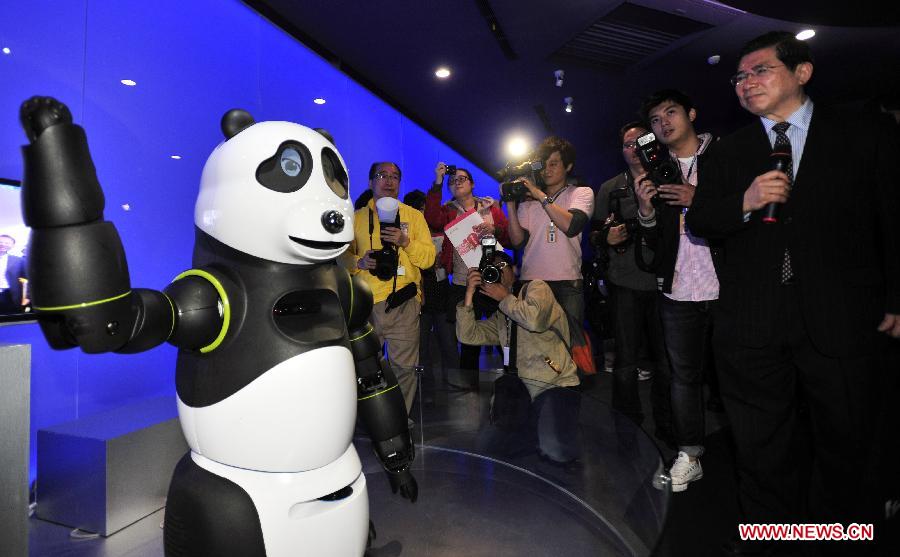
442, 73
128, 82
6, 50
805, 34
713, 60
559, 75
517, 146
569, 102
319, 100
175, 157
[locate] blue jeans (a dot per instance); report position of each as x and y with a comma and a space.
687, 327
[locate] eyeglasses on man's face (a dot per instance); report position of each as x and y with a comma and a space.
458, 180
758, 72
629, 145
385, 176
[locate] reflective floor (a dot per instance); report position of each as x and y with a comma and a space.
482, 490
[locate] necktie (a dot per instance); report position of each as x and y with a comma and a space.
782, 143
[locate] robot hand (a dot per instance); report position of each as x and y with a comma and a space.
405, 482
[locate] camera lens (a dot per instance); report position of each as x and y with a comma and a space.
490, 274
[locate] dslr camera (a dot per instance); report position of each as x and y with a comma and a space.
513, 189
660, 166
490, 273
615, 218
386, 261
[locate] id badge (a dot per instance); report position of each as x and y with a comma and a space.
551, 233
401, 270
505, 355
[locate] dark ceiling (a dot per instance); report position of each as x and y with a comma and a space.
503, 54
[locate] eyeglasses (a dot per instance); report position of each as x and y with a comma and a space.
756, 71
384, 176
458, 180
629, 145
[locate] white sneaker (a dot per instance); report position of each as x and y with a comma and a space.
644, 374
683, 471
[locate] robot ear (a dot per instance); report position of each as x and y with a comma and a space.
326, 135
235, 121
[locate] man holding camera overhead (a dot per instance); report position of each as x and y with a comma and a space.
391, 246
546, 223
683, 261
635, 305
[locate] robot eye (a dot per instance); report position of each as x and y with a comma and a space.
335, 175
291, 163
288, 170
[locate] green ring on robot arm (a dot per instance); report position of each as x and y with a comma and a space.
226, 306
391, 388
83, 304
171, 307
364, 335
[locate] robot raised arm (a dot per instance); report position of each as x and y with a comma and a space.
380, 407
79, 280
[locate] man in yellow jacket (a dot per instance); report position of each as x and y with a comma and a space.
396, 288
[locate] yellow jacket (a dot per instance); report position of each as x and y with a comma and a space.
418, 255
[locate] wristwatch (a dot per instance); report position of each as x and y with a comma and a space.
546, 201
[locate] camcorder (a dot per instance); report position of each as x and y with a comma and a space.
660, 166
490, 273
513, 189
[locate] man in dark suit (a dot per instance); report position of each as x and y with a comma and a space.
12, 268
802, 300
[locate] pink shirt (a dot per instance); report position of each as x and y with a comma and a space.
559, 260
695, 277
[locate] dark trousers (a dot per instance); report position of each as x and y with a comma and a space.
801, 423
468, 354
634, 312
687, 327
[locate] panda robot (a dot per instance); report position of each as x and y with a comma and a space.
276, 353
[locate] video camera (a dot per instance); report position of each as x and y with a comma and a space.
512, 189
660, 166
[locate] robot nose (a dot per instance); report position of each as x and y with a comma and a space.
333, 221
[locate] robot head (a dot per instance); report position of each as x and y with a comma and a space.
276, 190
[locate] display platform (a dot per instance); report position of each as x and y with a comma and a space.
483, 490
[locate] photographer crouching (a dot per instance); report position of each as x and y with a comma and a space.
530, 326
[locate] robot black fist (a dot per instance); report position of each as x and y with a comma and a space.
405, 482
39, 113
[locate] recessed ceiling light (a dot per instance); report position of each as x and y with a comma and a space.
442, 73
805, 34
319, 100
713, 60
126, 207
6, 50
175, 157
569, 101
517, 146
128, 82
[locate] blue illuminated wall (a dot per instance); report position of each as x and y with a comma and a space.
192, 61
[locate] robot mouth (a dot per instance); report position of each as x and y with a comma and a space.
318, 245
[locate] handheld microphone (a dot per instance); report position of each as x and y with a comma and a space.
781, 160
